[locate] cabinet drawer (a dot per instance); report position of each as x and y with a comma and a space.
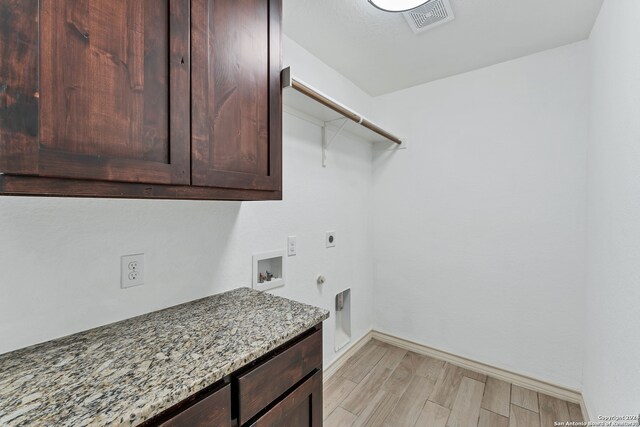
268, 381
213, 410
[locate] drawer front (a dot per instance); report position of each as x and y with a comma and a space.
268, 381
213, 410
300, 408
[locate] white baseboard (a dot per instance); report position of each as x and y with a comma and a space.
534, 384
331, 369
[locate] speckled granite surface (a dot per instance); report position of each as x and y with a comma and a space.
127, 372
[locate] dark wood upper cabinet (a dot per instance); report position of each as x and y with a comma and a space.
141, 98
235, 122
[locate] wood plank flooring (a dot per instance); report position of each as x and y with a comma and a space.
383, 385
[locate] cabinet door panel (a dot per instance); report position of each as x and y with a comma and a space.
300, 408
18, 86
112, 96
236, 112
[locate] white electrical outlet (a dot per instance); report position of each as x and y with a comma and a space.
292, 246
331, 239
132, 270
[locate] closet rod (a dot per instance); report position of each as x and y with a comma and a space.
290, 81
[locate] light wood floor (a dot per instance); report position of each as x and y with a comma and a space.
383, 385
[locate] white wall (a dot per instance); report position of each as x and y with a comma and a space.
479, 243
612, 315
59, 258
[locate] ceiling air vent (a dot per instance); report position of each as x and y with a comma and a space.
429, 15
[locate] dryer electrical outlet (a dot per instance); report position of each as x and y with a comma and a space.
331, 239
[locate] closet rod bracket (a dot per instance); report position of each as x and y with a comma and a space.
326, 140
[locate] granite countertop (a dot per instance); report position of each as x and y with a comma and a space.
127, 372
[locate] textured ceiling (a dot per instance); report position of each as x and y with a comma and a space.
379, 52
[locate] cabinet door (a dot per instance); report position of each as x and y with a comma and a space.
300, 408
95, 89
236, 109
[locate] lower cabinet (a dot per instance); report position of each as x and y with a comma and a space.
283, 388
